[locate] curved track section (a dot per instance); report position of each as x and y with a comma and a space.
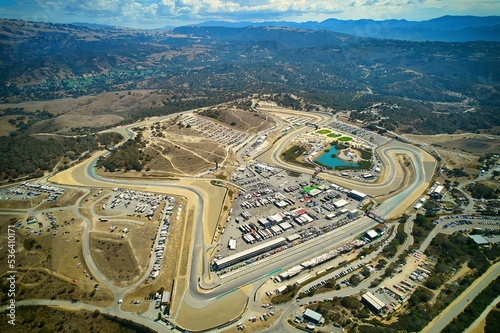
215, 290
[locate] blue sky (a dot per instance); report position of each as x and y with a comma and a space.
159, 13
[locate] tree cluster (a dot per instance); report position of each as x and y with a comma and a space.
24, 156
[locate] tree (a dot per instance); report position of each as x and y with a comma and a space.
330, 284
351, 302
381, 264
391, 269
434, 282
355, 279
366, 272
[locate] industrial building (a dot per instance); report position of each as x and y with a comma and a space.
315, 192
293, 238
165, 298
373, 303
372, 234
281, 289
438, 192
313, 316
360, 196
353, 213
303, 279
340, 203
252, 252
478, 239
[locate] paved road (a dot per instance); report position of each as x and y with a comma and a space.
477, 323
461, 302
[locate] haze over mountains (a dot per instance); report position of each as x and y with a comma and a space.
445, 28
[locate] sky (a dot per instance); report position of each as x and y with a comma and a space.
150, 14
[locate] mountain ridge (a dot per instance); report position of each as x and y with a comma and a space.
445, 28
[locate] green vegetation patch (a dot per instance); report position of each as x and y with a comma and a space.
492, 321
345, 138
334, 135
366, 154
482, 191
128, 156
310, 188
324, 131
46, 319
473, 310
293, 153
26, 156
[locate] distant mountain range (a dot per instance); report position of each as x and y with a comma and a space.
445, 28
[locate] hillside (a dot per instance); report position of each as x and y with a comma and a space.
452, 84
444, 29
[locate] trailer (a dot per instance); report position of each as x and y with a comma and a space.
281, 289
303, 279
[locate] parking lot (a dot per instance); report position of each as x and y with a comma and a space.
276, 204
214, 131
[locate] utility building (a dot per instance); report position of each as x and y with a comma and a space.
360, 196
313, 316
373, 303
438, 192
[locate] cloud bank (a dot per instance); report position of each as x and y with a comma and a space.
150, 13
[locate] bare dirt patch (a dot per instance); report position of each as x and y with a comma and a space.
23, 204
459, 150
5, 126
69, 197
122, 260
181, 151
65, 123
245, 121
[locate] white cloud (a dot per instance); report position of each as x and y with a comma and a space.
157, 12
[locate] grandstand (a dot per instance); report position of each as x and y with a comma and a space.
246, 254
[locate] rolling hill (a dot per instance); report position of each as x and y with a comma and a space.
437, 86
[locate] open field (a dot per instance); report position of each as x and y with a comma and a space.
245, 121
8, 203
116, 259
179, 151
459, 150
51, 265
104, 109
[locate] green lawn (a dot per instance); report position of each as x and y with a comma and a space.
324, 131
344, 138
